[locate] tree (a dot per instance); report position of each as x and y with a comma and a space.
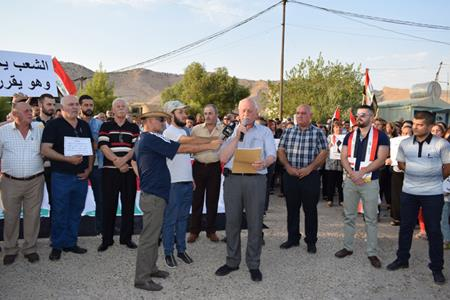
324, 86
100, 89
5, 107
198, 88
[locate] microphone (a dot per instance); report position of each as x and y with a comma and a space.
228, 130
244, 123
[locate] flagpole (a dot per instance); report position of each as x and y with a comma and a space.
282, 60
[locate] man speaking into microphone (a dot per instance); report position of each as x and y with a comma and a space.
246, 190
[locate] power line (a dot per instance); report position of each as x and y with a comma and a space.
397, 32
348, 33
219, 48
367, 17
201, 41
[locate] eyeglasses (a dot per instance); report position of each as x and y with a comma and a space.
120, 137
362, 115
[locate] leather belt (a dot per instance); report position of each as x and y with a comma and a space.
23, 178
227, 172
207, 164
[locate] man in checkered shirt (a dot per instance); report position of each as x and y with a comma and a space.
302, 150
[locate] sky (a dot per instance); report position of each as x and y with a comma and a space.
120, 33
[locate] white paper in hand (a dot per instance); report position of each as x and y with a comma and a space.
77, 146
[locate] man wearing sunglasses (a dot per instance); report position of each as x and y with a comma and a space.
152, 151
363, 153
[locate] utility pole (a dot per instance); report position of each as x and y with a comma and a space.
438, 71
283, 26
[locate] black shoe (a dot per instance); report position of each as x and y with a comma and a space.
170, 261
256, 275
149, 286
397, 264
130, 244
55, 254
160, 274
289, 244
184, 257
374, 261
343, 253
225, 270
75, 249
438, 277
9, 259
32, 257
104, 247
311, 248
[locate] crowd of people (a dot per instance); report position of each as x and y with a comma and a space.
179, 161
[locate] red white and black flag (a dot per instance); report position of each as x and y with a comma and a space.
63, 82
352, 120
368, 94
337, 114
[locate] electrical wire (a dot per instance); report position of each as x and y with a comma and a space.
367, 17
200, 42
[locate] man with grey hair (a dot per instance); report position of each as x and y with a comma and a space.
116, 140
207, 176
69, 175
22, 182
246, 191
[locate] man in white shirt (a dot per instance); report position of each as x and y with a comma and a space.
176, 213
22, 182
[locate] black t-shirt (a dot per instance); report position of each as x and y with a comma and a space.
151, 152
54, 133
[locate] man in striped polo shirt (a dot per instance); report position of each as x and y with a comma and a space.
116, 141
426, 161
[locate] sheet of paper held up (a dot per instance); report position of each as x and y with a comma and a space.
77, 146
243, 159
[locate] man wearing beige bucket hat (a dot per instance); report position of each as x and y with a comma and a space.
150, 155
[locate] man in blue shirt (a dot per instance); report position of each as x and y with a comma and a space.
363, 153
87, 113
150, 155
246, 190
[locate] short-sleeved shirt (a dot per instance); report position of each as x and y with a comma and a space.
95, 126
21, 157
120, 139
152, 150
54, 133
361, 147
180, 166
257, 136
302, 146
201, 130
423, 161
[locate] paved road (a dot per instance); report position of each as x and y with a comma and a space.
288, 274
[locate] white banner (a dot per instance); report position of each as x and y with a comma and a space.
27, 73
89, 207
335, 149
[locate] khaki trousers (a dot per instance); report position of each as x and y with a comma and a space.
15, 194
153, 208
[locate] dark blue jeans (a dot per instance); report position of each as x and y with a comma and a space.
69, 197
432, 211
96, 183
176, 216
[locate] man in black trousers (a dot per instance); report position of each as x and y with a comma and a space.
116, 140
